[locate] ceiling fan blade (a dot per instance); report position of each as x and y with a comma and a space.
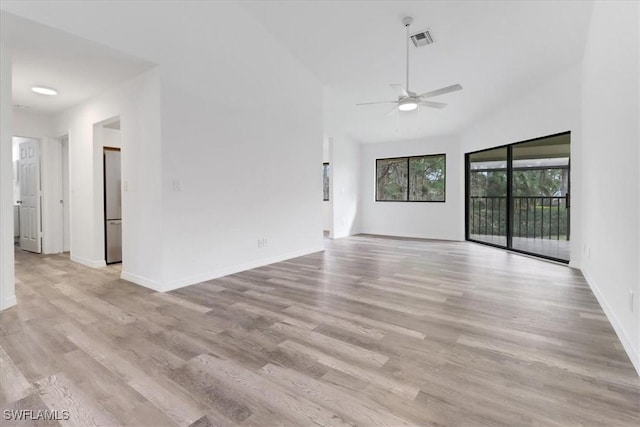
391, 112
442, 91
433, 104
400, 90
379, 102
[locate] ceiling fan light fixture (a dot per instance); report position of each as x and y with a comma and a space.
42, 90
408, 105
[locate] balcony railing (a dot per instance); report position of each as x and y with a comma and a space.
540, 217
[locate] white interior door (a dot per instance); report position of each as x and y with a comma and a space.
66, 238
30, 196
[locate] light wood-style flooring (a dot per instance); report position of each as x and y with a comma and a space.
373, 331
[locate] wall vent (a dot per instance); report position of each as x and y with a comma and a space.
422, 38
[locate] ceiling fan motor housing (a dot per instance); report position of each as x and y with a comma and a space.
408, 104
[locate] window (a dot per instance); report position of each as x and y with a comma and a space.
411, 179
326, 169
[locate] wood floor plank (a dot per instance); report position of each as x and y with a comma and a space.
263, 392
13, 385
279, 316
321, 318
359, 319
61, 394
405, 390
333, 346
167, 396
172, 299
362, 411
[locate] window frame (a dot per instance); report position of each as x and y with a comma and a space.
408, 196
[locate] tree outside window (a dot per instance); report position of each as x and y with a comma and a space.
411, 179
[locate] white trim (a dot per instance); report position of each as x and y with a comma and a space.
88, 262
8, 302
142, 281
627, 343
175, 284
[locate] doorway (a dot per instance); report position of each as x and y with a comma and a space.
518, 197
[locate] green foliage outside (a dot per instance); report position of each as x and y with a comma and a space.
411, 179
427, 178
392, 179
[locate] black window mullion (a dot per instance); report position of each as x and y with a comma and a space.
467, 194
408, 179
510, 197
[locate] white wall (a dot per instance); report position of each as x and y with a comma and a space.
7, 280
111, 138
417, 219
345, 185
137, 103
27, 123
611, 140
241, 153
550, 107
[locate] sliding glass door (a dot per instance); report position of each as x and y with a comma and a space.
487, 204
518, 197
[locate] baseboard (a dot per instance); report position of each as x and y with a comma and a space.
8, 302
88, 262
627, 343
142, 281
192, 280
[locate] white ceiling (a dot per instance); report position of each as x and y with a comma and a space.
77, 68
494, 49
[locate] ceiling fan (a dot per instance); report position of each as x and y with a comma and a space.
408, 100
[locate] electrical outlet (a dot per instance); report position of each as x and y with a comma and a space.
262, 243
176, 185
631, 301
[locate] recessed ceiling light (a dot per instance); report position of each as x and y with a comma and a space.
44, 90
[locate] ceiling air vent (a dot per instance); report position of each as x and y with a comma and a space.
422, 38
